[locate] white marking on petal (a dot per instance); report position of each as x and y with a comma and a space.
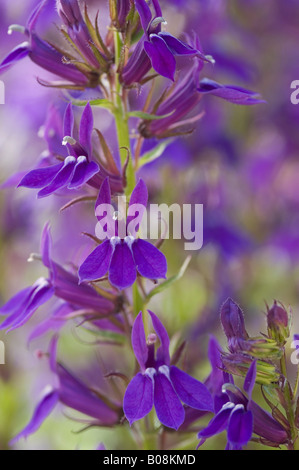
129, 240
81, 159
228, 406
165, 371
115, 241
150, 372
69, 160
239, 407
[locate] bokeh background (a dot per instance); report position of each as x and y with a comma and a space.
242, 163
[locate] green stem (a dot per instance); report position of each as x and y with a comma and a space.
296, 383
121, 120
289, 403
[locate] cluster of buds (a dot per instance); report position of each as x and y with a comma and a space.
243, 349
266, 355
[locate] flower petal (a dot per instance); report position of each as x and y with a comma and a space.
139, 341
68, 121
76, 395
97, 263
163, 357
42, 293
168, 407
144, 13
178, 47
46, 245
138, 203
240, 426
122, 271
232, 93
18, 53
150, 262
215, 380
104, 196
161, 57
218, 423
83, 172
139, 398
86, 127
192, 392
61, 179
41, 412
51, 323
249, 381
17, 301
40, 177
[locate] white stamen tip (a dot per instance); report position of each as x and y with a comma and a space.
68, 140
152, 338
16, 27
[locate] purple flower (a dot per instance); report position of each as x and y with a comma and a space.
234, 417
77, 168
155, 49
239, 415
61, 284
43, 54
180, 101
159, 383
232, 93
69, 11
123, 257
73, 393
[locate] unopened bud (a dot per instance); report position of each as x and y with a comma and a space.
258, 347
232, 320
278, 323
238, 364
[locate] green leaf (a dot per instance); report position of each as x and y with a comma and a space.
166, 284
102, 103
154, 153
147, 116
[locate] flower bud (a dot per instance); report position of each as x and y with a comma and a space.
258, 347
278, 323
232, 320
238, 364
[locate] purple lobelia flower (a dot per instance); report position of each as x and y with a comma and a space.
123, 256
77, 168
214, 382
240, 416
43, 54
61, 284
232, 93
73, 393
155, 49
159, 383
180, 100
69, 11
233, 417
